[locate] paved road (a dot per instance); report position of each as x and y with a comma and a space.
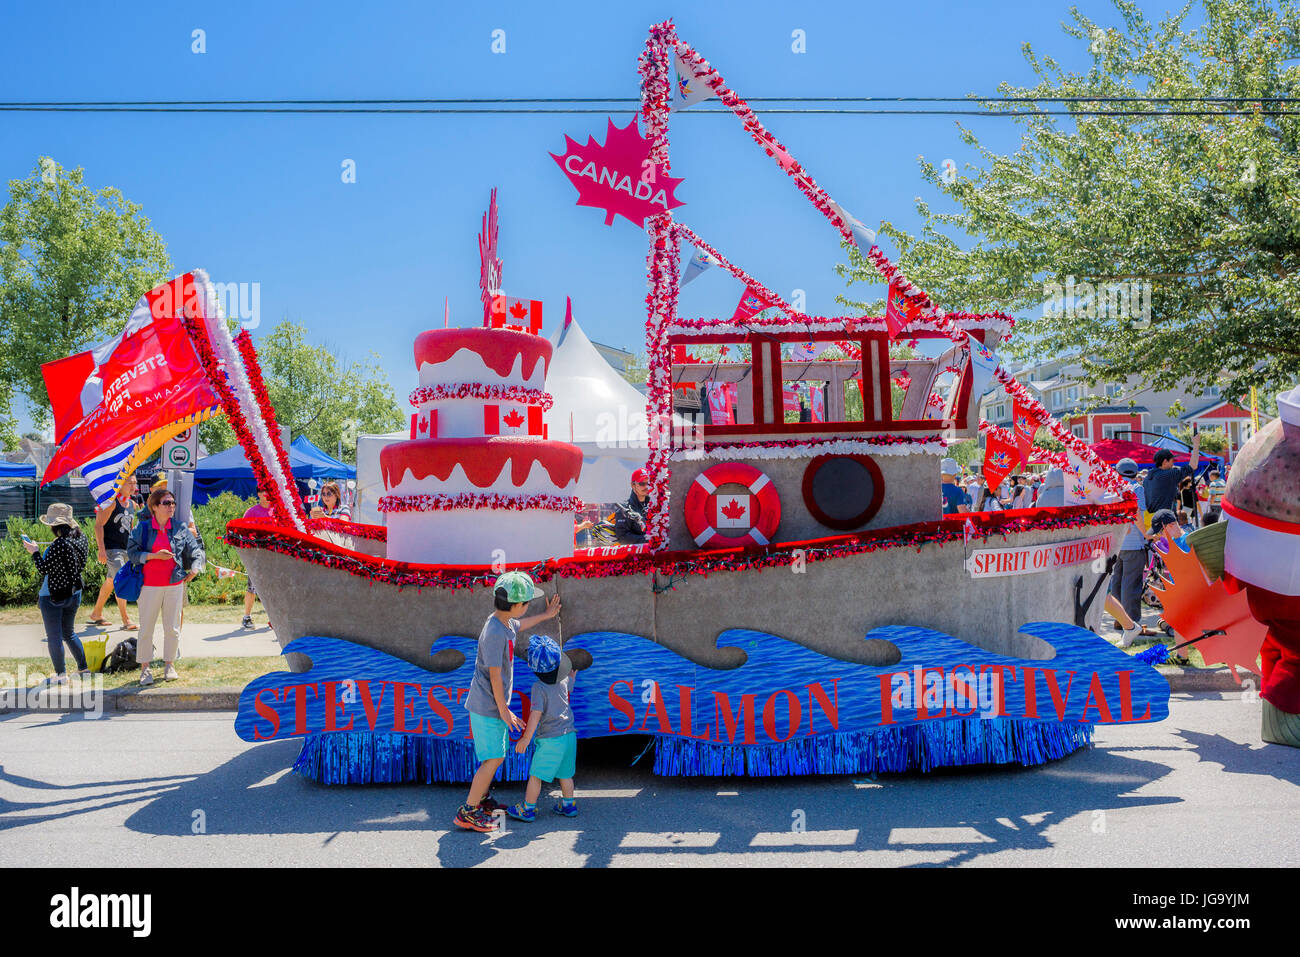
1198, 789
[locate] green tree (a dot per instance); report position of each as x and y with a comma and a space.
1213, 441
1199, 215
1044, 439
317, 393
72, 264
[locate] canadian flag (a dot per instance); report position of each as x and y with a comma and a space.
424, 425
522, 315
733, 511
512, 419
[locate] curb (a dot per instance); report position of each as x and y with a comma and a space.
133, 700
162, 700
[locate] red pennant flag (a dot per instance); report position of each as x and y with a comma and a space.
899, 311
1025, 426
751, 302
999, 459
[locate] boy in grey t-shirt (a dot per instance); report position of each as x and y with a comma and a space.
488, 703
551, 720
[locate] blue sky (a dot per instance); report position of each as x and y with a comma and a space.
365, 265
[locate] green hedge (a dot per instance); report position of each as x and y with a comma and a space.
20, 581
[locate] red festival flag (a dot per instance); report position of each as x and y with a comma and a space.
899, 311
1025, 426
999, 459
145, 379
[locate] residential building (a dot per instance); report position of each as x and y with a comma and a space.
1118, 409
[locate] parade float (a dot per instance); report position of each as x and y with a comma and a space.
800, 604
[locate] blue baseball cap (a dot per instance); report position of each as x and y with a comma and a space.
543, 654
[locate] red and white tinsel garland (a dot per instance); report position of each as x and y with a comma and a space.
240, 410
446, 503
481, 390
279, 460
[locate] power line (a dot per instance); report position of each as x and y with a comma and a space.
495, 111
445, 101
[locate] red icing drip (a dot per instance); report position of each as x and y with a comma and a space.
481, 458
499, 348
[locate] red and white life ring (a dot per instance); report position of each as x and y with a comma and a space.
757, 510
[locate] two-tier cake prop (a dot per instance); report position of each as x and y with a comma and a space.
799, 604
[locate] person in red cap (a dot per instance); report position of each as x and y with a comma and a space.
629, 518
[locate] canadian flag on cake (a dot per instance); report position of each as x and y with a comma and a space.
502, 419
522, 315
424, 425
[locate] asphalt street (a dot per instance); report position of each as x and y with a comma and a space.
1198, 789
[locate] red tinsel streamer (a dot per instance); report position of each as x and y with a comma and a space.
480, 390
444, 503
235, 416
243, 533
253, 368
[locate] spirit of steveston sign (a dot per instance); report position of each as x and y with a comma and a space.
996, 562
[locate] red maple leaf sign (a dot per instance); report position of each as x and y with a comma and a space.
514, 419
733, 509
518, 310
617, 176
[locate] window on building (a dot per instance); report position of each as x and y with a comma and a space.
1213, 391
1119, 430
1056, 400
1079, 430
1072, 393
1112, 391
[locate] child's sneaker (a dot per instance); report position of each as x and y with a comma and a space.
522, 812
567, 808
474, 819
490, 804
247, 623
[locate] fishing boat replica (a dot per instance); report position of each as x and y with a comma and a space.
800, 604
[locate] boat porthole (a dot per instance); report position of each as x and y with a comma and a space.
843, 492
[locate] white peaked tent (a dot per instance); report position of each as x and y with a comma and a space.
597, 410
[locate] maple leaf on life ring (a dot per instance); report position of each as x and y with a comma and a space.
615, 176
733, 509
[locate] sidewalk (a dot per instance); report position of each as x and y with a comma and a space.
198, 640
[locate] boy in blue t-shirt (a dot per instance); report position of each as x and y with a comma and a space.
551, 720
488, 703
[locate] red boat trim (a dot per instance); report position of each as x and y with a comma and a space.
243, 533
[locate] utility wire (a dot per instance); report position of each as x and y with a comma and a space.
27, 108
636, 100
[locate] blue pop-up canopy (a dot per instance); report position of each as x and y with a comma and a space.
17, 470
230, 471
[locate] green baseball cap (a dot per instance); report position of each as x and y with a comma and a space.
519, 587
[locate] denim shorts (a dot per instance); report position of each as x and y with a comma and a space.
116, 560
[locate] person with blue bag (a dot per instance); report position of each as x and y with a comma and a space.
170, 556
60, 566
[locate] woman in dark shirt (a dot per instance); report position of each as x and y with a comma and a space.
60, 594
